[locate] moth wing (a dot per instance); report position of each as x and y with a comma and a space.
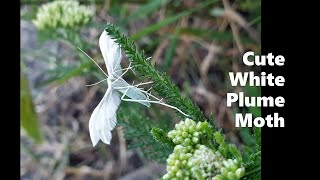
103, 118
111, 53
132, 92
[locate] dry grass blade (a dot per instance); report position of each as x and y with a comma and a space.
234, 17
122, 149
210, 58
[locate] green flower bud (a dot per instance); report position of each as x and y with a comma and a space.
182, 123
179, 139
191, 164
199, 127
177, 163
226, 164
172, 134
182, 157
179, 133
184, 162
195, 140
188, 121
191, 129
174, 169
196, 134
171, 162
166, 177
224, 171
189, 148
187, 141
188, 155
178, 148
240, 172
179, 174
185, 128
231, 176
217, 164
184, 134
218, 177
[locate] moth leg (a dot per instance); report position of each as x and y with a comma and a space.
124, 94
127, 69
140, 84
159, 101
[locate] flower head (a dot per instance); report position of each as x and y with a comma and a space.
192, 160
62, 14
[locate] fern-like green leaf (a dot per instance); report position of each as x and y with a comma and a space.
137, 127
159, 135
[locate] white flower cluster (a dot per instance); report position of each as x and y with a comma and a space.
191, 160
62, 14
212, 165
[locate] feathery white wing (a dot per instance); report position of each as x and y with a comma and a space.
111, 53
104, 118
130, 91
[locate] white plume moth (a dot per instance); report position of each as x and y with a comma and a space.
104, 119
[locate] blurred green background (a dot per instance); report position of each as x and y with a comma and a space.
196, 42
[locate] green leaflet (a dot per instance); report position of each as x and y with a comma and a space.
28, 116
137, 127
159, 135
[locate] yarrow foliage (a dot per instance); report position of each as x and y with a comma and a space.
192, 160
62, 14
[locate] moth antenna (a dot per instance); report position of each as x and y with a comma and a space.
96, 82
93, 61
